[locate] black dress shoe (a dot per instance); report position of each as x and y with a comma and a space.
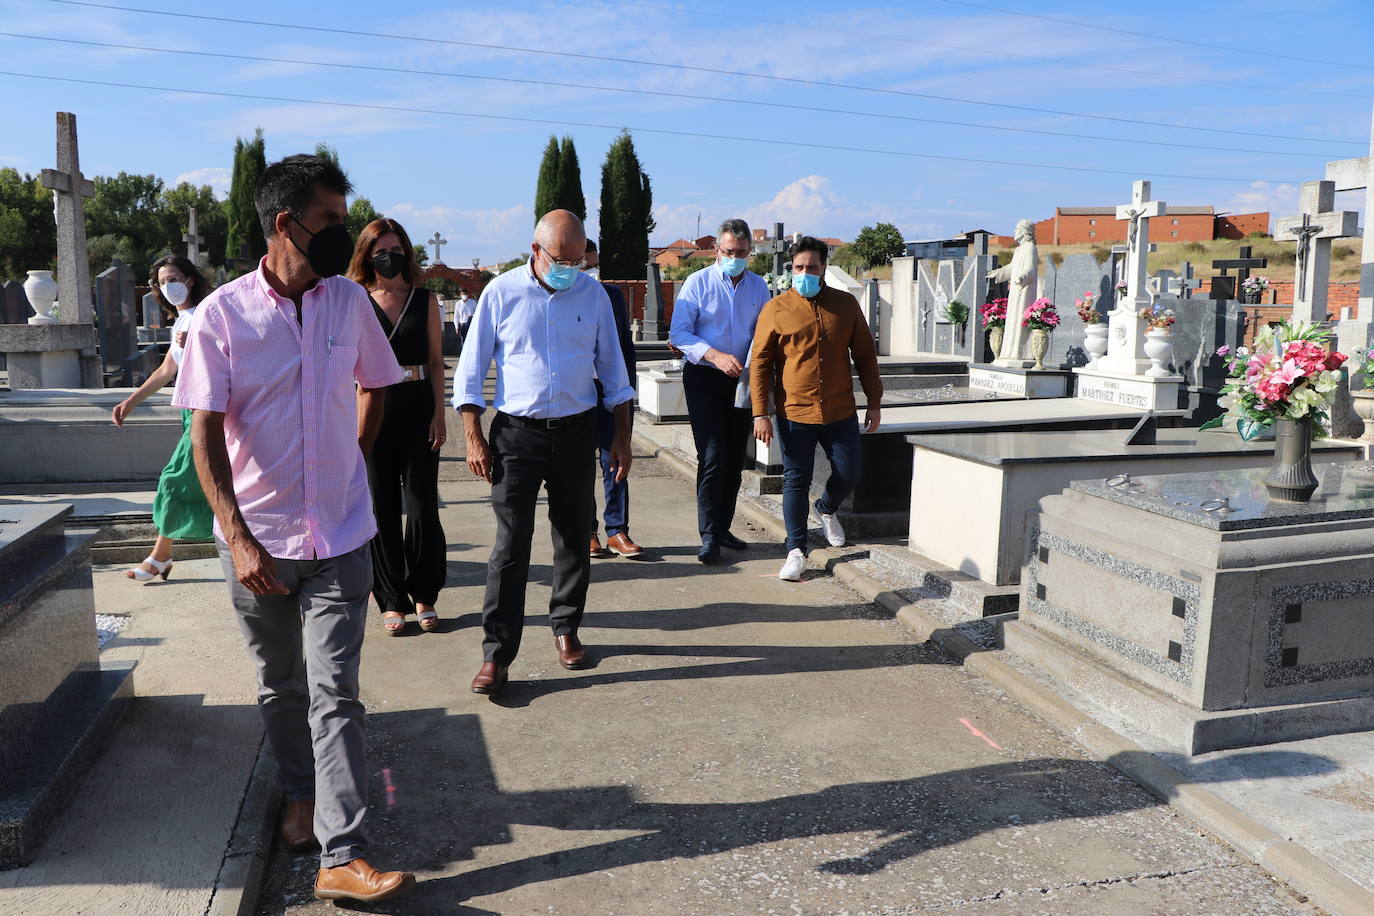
708, 553
729, 540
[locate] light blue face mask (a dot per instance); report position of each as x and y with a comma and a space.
560, 276
806, 284
733, 267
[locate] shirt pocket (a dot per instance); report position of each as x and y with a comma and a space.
340, 364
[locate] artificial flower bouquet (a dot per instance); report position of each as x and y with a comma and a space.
1291, 374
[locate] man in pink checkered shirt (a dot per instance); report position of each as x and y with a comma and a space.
270, 368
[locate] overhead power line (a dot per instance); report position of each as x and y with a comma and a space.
1209, 45
649, 92
983, 51
772, 141
692, 69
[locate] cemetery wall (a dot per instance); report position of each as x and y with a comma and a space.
1085, 225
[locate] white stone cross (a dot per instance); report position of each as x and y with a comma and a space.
1314, 229
69, 187
1139, 211
192, 238
1358, 175
438, 242
1126, 340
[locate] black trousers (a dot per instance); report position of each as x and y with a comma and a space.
721, 431
524, 457
408, 565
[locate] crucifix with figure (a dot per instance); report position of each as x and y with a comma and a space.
1126, 342
438, 242
1314, 229
69, 188
192, 238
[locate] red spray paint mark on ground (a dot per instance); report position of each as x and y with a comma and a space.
977, 734
390, 787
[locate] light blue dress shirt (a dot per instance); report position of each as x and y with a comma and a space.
548, 348
712, 311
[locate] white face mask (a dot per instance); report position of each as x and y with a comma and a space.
175, 292
593, 272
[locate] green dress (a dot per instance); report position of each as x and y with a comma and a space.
180, 511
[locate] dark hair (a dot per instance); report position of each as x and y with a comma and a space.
360, 269
290, 184
811, 243
736, 227
197, 287
591, 247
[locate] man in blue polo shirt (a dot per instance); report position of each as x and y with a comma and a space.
713, 326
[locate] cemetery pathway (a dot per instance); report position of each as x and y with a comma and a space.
743, 745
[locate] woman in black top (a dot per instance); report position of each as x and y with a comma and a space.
403, 469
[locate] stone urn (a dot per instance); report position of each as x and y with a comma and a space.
1039, 345
1095, 343
1364, 408
1159, 347
41, 290
995, 339
1290, 478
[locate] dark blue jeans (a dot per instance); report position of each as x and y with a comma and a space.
840, 440
617, 494
721, 431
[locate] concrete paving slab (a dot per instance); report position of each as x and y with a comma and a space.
743, 745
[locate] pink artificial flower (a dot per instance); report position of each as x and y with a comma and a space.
1223, 351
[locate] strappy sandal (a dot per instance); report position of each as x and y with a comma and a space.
161, 568
394, 622
429, 620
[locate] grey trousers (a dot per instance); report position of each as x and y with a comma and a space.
306, 647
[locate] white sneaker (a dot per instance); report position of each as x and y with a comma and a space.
834, 533
792, 568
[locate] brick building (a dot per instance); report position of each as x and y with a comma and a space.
1099, 226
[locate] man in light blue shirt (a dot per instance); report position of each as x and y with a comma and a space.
713, 326
550, 329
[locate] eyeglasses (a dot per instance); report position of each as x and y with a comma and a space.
733, 253
577, 263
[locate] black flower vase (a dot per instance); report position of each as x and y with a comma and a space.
1290, 478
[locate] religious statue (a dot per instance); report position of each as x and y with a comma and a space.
1023, 276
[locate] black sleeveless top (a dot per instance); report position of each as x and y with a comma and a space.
410, 335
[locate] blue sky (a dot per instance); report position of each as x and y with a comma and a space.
472, 178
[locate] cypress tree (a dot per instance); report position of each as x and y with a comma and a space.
570, 195
626, 212
250, 161
546, 187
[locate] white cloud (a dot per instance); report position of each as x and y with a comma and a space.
1279, 200
217, 178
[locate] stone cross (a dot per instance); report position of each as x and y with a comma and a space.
1225, 286
1314, 229
192, 238
1139, 211
438, 242
1358, 175
778, 248
1182, 286
69, 188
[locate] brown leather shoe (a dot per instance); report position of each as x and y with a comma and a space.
622, 545
571, 655
298, 826
490, 678
359, 881
595, 550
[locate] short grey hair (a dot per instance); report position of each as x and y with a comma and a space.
736, 227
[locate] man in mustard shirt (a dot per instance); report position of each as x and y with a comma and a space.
805, 339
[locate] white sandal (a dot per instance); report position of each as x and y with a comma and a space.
429, 620
143, 577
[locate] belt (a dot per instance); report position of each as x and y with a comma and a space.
550, 423
413, 373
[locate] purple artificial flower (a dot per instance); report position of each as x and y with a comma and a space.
1223, 351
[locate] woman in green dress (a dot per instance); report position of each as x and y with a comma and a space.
179, 509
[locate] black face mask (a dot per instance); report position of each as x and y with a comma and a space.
388, 263
329, 251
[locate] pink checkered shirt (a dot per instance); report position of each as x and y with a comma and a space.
290, 415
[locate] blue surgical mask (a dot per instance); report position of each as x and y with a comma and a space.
806, 284
560, 276
733, 267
